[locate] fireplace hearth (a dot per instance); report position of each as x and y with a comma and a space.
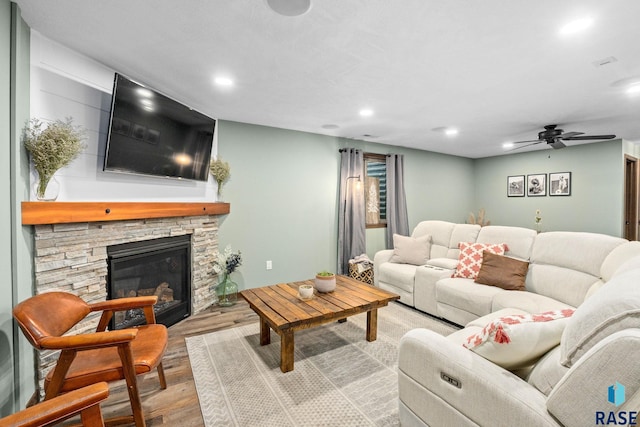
160, 267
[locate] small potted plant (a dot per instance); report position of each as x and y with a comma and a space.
325, 281
52, 148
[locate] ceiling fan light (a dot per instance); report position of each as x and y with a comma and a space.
289, 7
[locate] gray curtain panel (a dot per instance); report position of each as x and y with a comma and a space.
397, 217
351, 215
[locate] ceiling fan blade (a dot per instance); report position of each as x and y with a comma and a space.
556, 144
588, 137
570, 134
536, 141
525, 146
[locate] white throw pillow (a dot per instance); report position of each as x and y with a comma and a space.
410, 250
518, 340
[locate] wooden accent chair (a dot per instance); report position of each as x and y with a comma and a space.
97, 356
84, 401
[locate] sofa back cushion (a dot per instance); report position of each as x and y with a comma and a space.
519, 240
614, 307
564, 264
445, 236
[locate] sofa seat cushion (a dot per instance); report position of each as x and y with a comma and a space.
518, 340
526, 301
547, 372
399, 275
467, 295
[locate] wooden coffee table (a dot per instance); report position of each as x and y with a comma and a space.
280, 309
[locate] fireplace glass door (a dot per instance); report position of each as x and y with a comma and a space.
160, 267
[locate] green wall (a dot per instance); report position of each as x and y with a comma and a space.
283, 195
283, 192
596, 202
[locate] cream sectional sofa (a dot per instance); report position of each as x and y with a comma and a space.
595, 277
564, 268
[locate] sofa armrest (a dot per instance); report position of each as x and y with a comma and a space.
379, 258
611, 360
444, 383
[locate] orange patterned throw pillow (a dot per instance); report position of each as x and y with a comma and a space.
470, 258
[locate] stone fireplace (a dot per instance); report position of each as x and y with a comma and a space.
73, 257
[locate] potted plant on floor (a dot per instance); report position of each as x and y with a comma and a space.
226, 263
52, 148
325, 281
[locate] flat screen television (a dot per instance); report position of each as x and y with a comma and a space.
151, 134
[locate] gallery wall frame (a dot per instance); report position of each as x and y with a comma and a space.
560, 184
537, 185
515, 186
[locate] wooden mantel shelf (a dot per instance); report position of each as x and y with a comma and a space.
38, 213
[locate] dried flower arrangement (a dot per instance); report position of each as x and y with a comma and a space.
221, 171
480, 220
52, 148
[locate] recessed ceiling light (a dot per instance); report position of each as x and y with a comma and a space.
451, 132
507, 145
634, 89
366, 112
223, 81
576, 26
289, 7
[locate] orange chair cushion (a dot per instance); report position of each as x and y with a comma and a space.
98, 365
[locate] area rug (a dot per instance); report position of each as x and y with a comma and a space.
339, 379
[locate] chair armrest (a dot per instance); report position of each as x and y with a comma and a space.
483, 389
120, 304
61, 407
89, 341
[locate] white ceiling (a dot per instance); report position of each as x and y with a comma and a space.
497, 70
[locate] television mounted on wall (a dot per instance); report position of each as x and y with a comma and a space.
152, 134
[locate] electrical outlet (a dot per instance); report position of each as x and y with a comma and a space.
269, 265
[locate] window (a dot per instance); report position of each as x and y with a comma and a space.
375, 190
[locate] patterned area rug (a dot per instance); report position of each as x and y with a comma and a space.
339, 379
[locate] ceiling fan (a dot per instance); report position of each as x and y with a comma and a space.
554, 137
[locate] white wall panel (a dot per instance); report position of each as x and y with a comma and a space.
67, 84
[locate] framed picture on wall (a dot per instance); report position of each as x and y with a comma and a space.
515, 186
537, 185
560, 184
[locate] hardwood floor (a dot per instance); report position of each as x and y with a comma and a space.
178, 404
